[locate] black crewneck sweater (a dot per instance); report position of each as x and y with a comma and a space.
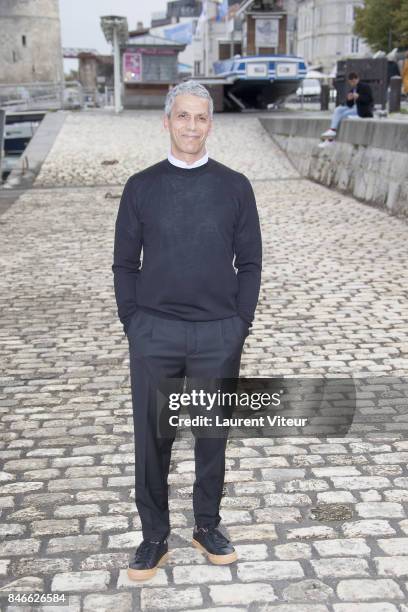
189, 223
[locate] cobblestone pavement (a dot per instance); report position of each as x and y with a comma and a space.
333, 301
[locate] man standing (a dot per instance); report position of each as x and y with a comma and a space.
186, 311
359, 103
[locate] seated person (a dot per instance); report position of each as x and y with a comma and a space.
359, 103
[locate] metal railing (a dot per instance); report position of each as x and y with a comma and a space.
52, 96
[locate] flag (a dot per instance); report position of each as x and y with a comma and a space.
181, 33
222, 10
202, 18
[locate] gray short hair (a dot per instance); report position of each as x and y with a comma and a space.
188, 87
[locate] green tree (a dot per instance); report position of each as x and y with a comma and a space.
378, 22
73, 75
401, 24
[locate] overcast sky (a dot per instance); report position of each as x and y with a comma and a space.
80, 20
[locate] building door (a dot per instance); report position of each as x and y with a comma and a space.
224, 50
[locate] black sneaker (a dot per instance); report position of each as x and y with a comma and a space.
147, 558
214, 544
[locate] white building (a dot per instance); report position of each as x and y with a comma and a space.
325, 32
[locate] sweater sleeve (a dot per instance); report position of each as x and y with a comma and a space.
248, 254
126, 255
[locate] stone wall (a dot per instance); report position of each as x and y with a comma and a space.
39, 57
369, 160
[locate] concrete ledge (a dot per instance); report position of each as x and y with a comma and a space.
368, 161
385, 134
24, 173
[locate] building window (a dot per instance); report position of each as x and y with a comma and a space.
349, 13
14, 57
197, 68
354, 44
23, 40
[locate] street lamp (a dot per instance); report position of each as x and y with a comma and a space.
116, 32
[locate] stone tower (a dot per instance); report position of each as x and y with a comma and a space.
30, 42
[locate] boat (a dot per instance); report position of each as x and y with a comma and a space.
256, 81
19, 128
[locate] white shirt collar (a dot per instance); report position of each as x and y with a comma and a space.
182, 164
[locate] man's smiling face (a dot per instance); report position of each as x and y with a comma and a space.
189, 125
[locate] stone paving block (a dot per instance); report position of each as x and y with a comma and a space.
269, 570
92, 580
170, 598
308, 590
44, 565
398, 457
367, 527
197, 574
159, 579
312, 484
29, 546
340, 568
98, 524
108, 561
394, 546
55, 526
392, 566
343, 547
218, 609
380, 509
254, 488
186, 556
251, 552
287, 499
317, 531
27, 584
295, 550
125, 540
98, 496
74, 484
4, 566
278, 515
364, 589
122, 602
260, 531
360, 482
78, 510
276, 474
246, 594
79, 543
263, 462
365, 607
336, 497
12, 529
292, 607
14, 488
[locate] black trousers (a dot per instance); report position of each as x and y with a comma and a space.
160, 349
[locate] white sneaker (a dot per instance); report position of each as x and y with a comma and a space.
326, 143
329, 133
